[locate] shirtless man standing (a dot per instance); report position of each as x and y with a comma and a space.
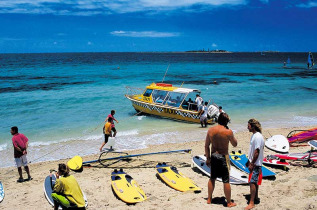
218, 159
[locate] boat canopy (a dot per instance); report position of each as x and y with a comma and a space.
170, 88
185, 90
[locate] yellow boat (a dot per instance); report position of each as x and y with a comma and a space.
167, 101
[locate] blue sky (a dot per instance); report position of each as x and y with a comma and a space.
157, 25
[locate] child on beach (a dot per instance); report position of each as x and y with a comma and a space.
66, 190
107, 133
111, 117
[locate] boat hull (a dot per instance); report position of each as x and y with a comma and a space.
167, 111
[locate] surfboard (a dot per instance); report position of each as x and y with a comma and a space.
1, 192
313, 143
236, 177
126, 188
75, 163
239, 160
277, 143
49, 183
298, 156
275, 161
302, 135
175, 179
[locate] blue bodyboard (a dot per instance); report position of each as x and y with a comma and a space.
239, 160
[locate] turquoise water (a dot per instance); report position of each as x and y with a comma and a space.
61, 100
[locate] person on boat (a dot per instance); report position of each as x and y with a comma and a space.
203, 115
112, 119
107, 133
220, 109
20, 145
255, 160
284, 64
66, 191
218, 158
199, 101
307, 65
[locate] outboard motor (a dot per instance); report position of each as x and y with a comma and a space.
213, 112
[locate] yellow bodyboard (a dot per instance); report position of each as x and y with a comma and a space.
175, 179
126, 188
75, 163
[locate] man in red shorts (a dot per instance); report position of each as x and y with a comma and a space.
218, 159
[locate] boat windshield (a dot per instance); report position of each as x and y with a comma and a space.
189, 103
147, 93
174, 99
158, 96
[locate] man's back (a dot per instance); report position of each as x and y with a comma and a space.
219, 137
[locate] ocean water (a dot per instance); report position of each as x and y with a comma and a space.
59, 101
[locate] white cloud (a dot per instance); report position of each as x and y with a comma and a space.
308, 4
154, 34
89, 43
214, 45
93, 7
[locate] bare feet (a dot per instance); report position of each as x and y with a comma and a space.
231, 204
209, 201
249, 207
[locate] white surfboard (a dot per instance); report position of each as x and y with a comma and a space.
236, 177
278, 143
1, 192
313, 143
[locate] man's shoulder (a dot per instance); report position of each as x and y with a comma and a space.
220, 128
258, 135
17, 136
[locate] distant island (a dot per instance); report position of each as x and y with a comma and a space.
209, 51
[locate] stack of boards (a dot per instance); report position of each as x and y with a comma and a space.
126, 188
236, 177
1, 192
48, 189
175, 179
273, 160
309, 155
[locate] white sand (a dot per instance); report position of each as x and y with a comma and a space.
295, 189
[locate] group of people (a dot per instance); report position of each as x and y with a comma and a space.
67, 192
202, 108
218, 158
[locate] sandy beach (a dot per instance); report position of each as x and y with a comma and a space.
293, 189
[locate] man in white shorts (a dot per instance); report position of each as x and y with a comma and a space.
20, 144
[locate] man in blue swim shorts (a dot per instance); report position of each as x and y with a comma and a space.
255, 160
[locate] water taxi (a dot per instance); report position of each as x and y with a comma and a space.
167, 101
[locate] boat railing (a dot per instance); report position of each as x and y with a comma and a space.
134, 91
